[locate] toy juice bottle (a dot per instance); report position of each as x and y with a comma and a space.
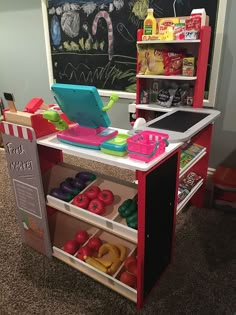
150, 24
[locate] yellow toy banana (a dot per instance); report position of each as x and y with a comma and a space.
105, 262
122, 250
96, 264
109, 248
114, 267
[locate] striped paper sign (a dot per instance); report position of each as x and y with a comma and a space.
26, 133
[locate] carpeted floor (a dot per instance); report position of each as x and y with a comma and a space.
202, 279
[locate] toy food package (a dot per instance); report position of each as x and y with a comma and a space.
193, 27
144, 97
182, 193
150, 37
193, 149
142, 60
190, 181
153, 90
185, 159
189, 98
155, 62
168, 34
188, 69
179, 31
166, 24
179, 97
165, 97
173, 62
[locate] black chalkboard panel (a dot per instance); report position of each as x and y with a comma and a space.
94, 42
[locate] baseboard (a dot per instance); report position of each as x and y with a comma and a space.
210, 173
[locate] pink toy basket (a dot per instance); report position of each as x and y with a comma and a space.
147, 145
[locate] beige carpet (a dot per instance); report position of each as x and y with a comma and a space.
202, 279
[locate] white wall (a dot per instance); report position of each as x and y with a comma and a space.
23, 69
224, 139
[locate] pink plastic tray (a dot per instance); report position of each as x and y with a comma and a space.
147, 145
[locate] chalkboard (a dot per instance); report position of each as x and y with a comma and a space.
94, 42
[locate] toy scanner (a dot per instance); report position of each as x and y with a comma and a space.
83, 105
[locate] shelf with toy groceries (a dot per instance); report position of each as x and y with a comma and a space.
157, 61
108, 218
62, 216
166, 77
189, 196
193, 176
174, 41
95, 252
173, 29
192, 162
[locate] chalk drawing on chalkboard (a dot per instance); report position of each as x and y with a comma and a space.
83, 72
124, 32
140, 8
55, 31
94, 42
118, 4
106, 16
70, 23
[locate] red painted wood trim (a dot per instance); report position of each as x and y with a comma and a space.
202, 63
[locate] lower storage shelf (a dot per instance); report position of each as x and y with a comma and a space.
64, 227
110, 221
189, 196
97, 275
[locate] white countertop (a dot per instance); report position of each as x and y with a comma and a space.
98, 156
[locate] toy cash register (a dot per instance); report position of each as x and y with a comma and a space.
83, 105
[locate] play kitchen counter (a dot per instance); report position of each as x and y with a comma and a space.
46, 223
36, 167
156, 193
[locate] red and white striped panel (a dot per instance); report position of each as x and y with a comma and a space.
26, 133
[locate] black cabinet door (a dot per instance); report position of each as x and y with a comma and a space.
157, 193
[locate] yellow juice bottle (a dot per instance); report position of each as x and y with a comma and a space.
150, 24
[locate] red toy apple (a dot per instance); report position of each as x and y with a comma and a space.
84, 252
131, 265
92, 192
129, 279
96, 206
71, 247
94, 243
106, 196
81, 201
81, 237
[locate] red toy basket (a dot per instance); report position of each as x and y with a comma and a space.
147, 145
